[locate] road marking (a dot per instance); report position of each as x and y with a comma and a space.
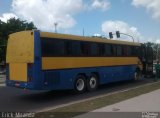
2, 85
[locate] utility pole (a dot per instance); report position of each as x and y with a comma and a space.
128, 35
157, 51
55, 25
118, 35
83, 31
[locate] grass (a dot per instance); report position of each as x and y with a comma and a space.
90, 105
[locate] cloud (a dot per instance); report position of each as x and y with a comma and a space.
100, 4
7, 16
113, 26
157, 41
44, 13
152, 6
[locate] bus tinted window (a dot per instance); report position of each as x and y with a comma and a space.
76, 48
52, 47
124, 50
135, 51
119, 50
85, 48
113, 50
108, 49
129, 51
94, 49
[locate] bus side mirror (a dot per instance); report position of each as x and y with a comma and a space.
110, 35
118, 34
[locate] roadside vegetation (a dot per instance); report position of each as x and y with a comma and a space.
90, 105
11, 26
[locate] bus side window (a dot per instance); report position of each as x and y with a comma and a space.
113, 50
119, 50
59, 48
101, 49
108, 50
133, 51
52, 47
125, 50
94, 49
68, 48
129, 51
76, 48
85, 48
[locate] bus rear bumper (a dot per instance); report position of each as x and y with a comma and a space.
22, 85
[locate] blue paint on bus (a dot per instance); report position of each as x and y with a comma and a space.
65, 79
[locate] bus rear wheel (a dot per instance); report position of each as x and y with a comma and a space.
80, 84
92, 82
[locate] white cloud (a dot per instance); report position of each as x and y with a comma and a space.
113, 26
157, 41
44, 13
100, 4
7, 16
152, 6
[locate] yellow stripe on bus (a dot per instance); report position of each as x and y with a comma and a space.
49, 63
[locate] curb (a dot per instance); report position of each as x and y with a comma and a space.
2, 85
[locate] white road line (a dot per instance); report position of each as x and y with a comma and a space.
2, 85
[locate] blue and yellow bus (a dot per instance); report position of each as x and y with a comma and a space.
49, 61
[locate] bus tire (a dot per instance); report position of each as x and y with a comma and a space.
137, 74
80, 84
92, 82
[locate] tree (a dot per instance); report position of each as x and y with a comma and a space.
13, 25
156, 49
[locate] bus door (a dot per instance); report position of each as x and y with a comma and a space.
149, 60
143, 58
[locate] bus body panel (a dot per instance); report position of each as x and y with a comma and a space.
65, 79
106, 75
18, 71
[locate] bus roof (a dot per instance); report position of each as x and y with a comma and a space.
84, 38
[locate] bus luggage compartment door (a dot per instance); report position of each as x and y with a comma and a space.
18, 72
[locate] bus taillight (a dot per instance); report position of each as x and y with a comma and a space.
30, 79
30, 65
30, 72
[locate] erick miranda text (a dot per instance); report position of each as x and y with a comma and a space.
17, 115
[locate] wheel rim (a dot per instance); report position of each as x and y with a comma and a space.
136, 76
80, 84
93, 82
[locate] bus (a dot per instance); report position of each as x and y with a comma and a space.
38, 60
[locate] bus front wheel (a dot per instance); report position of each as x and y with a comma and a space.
80, 84
92, 82
137, 75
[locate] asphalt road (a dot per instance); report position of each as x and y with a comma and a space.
18, 100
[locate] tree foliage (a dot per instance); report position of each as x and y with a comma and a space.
13, 25
156, 50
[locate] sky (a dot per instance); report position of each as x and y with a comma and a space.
138, 18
